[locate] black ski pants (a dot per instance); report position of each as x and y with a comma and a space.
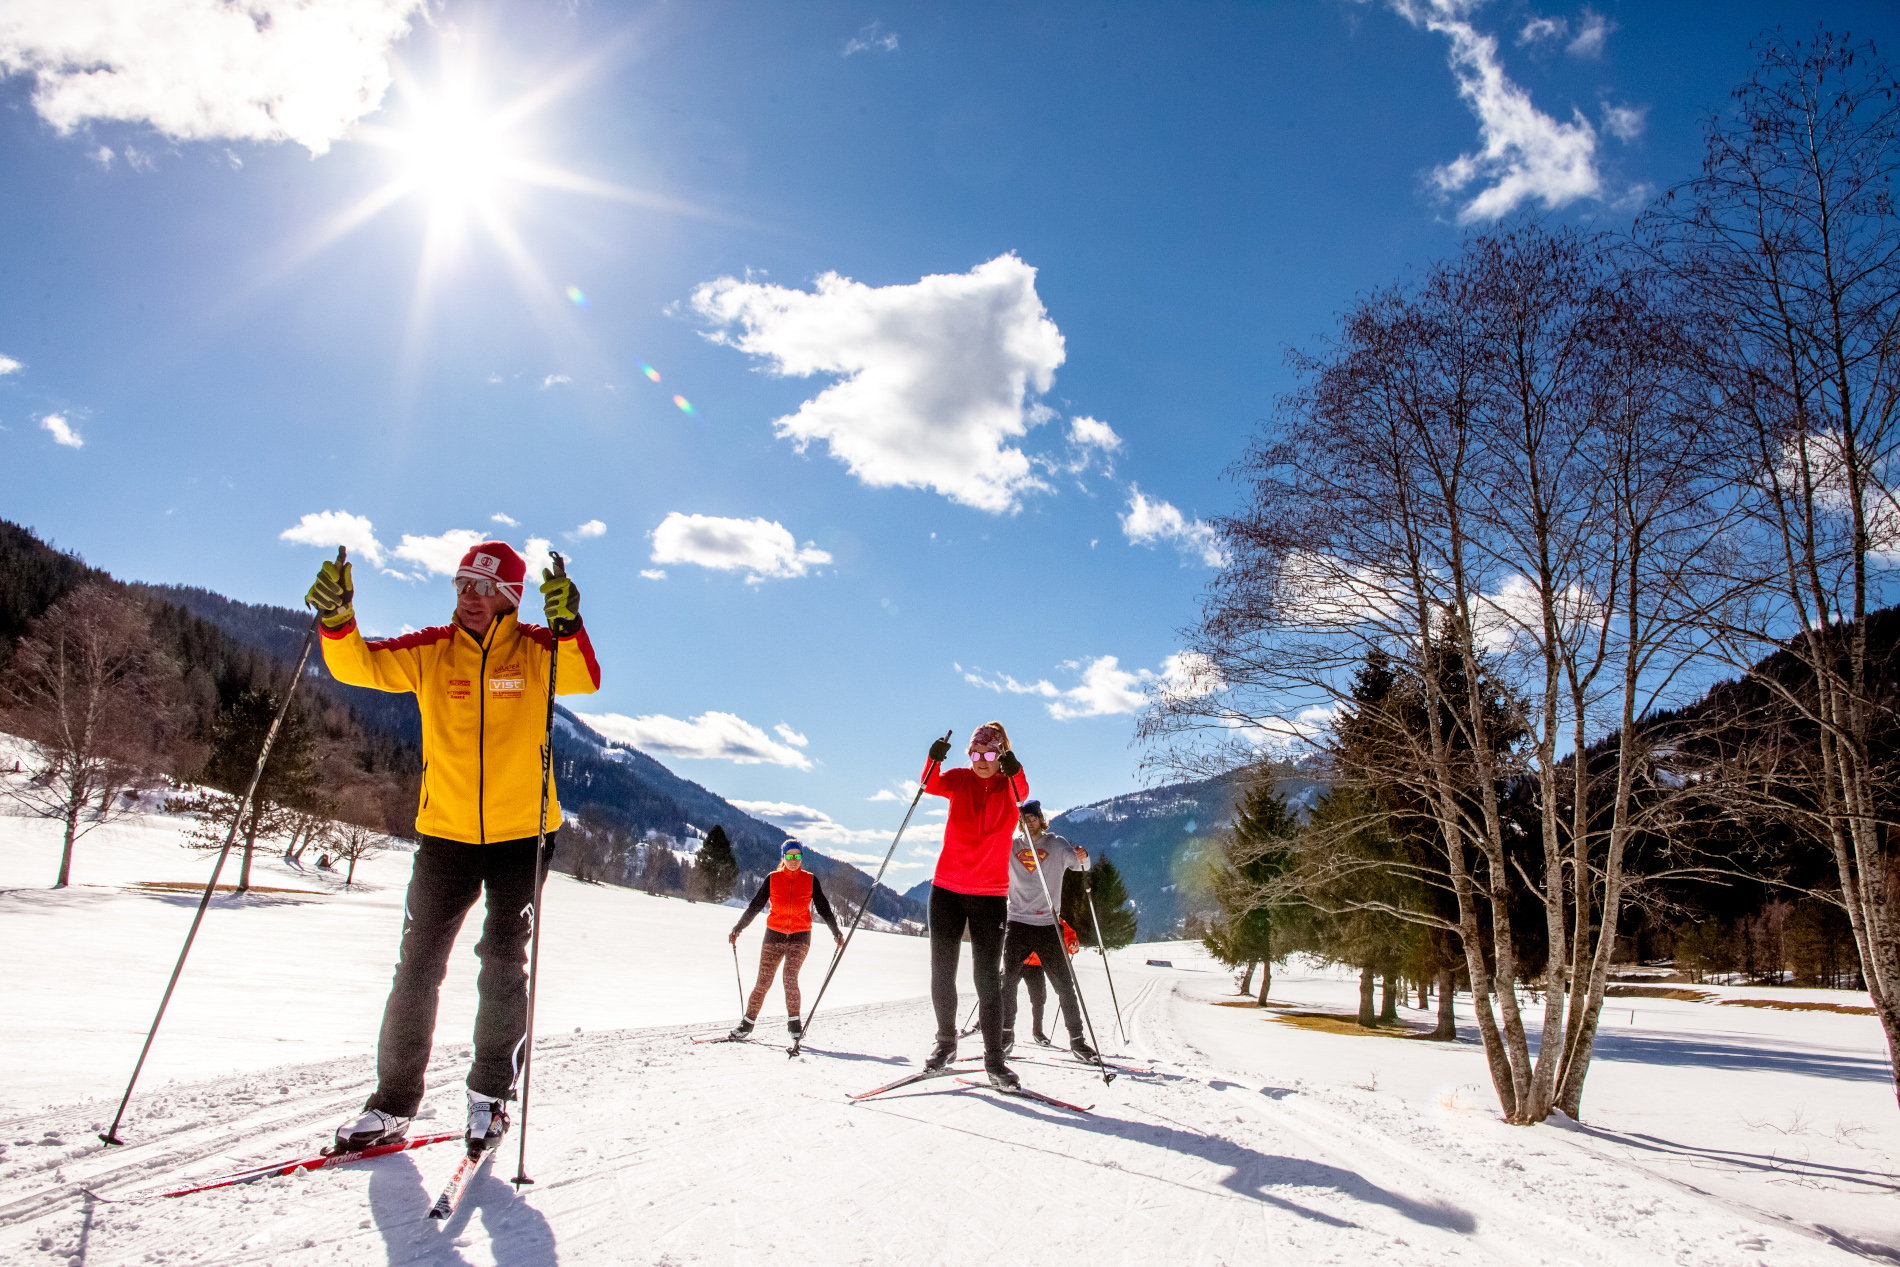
983, 915
447, 878
1045, 942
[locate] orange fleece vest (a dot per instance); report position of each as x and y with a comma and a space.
791, 902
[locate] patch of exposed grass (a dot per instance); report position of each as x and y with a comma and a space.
1247, 1003
1333, 1023
1656, 992
183, 886
1790, 1005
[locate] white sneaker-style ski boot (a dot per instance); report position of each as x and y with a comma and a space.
487, 1122
369, 1129
741, 1031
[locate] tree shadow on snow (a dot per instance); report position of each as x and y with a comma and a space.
518, 1234
1797, 1169
1713, 1053
1251, 1174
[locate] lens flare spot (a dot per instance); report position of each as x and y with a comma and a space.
650, 372
686, 406
574, 294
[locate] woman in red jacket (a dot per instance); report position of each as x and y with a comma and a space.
971, 889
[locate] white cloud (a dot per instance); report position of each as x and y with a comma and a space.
61, 431
653, 574
873, 38
761, 548
9, 366
103, 156
814, 826
536, 552
1527, 155
1107, 689
1592, 30
592, 528
252, 70
934, 378
1151, 520
1324, 591
503, 519
552, 379
337, 528
1087, 433
1625, 123
1542, 31
909, 792
710, 736
790, 736
439, 555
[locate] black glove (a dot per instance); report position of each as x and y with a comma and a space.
938, 751
332, 595
1011, 767
562, 603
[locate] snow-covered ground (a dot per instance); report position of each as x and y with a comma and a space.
1714, 1134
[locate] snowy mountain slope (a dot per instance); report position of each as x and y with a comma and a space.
1717, 1135
1161, 837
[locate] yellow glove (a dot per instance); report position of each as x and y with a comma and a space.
562, 602
332, 595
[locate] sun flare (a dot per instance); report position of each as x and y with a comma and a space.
455, 156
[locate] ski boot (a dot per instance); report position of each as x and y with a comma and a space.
1002, 1077
796, 1028
487, 1123
1041, 1039
369, 1129
742, 1031
1080, 1049
942, 1054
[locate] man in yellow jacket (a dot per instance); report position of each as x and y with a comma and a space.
481, 682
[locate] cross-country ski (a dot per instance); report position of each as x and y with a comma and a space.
1026, 1093
273, 1170
1250, 633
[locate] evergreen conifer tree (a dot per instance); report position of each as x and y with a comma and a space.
717, 867
1259, 851
1119, 921
290, 775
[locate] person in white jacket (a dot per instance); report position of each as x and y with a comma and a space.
1035, 923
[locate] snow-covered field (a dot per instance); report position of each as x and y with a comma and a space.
1715, 1134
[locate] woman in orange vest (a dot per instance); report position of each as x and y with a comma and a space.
793, 892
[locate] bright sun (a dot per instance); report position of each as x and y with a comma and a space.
455, 157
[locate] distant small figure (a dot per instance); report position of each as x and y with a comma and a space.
323, 863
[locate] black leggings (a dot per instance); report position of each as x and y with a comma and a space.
447, 878
984, 916
1043, 941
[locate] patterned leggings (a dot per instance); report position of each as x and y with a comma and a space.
789, 949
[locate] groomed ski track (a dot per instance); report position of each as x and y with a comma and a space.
650, 1149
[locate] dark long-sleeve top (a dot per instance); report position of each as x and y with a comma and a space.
792, 895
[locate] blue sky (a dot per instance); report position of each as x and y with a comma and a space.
972, 306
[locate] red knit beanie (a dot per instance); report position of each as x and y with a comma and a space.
495, 561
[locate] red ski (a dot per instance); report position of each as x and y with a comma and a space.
321, 1161
1025, 1093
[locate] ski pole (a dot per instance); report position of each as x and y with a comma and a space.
1062, 951
1088, 886
838, 955
737, 979
540, 874
111, 1135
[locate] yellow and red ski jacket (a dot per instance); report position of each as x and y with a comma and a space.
484, 702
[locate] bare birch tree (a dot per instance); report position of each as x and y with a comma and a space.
90, 688
1789, 243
